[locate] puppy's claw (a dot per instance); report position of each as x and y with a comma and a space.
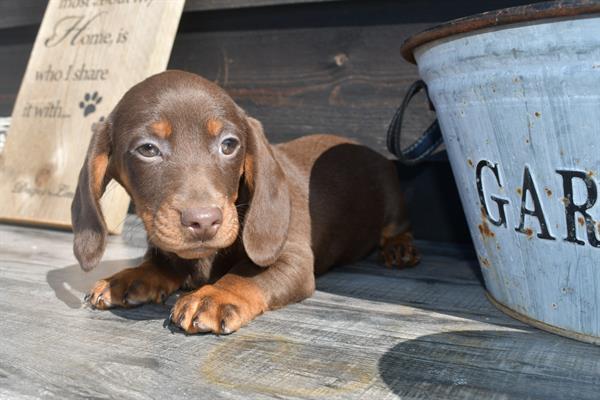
168, 321
224, 329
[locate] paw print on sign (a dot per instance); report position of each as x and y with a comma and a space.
89, 103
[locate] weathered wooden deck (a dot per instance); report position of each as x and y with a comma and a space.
368, 333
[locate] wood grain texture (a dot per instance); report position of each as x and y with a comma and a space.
346, 81
15, 45
14, 13
318, 68
21, 13
297, 81
367, 333
203, 5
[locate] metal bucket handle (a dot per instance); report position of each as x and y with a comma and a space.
430, 140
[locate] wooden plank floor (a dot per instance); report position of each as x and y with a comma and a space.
368, 333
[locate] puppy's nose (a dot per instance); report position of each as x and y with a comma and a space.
203, 222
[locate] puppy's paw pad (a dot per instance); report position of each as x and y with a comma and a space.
210, 309
129, 288
400, 251
100, 296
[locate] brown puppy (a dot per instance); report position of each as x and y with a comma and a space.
247, 223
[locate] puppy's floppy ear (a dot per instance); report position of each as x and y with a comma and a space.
267, 220
86, 215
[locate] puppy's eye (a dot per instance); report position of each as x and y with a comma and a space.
148, 150
229, 145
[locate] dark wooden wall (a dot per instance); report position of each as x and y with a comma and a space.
301, 67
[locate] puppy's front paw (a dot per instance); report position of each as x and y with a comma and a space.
400, 251
214, 309
130, 288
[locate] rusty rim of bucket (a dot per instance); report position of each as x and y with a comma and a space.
531, 12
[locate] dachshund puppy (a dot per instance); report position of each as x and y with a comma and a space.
245, 224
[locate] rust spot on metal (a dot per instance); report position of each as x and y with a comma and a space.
565, 201
529, 232
581, 221
548, 192
519, 191
513, 15
485, 230
590, 173
485, 262
470, 162
537, 114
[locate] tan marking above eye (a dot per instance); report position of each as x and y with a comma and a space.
214, 126
162, 129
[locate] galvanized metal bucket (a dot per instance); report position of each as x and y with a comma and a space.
517, 95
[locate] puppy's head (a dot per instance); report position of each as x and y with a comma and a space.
181, 147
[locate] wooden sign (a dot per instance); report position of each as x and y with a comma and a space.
86, 55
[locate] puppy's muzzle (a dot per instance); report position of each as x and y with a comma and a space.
202, 223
